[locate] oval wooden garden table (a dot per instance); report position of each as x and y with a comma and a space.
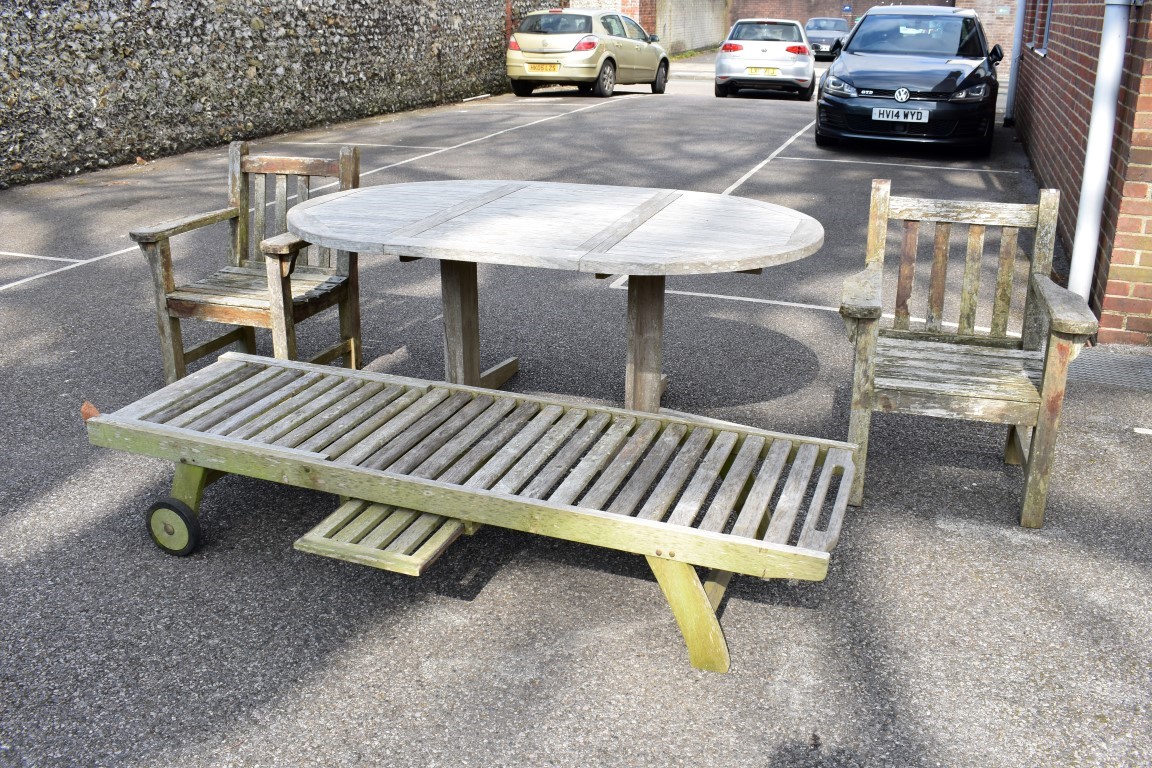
644, 233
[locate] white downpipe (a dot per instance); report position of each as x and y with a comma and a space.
1014, 73
1097, 158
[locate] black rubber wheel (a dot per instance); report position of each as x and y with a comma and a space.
173, 527
605, 81
806, 94
821, 139
521, 88
661, 81
984, 149
721, 91
585, 88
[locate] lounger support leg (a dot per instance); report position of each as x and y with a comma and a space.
189, 483
693, 610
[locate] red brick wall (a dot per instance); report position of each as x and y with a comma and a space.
1053, 108
802, 10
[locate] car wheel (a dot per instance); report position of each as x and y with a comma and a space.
661, 81
721, 91
606, 81
821, 139
984, 148
521, 88
806, 94
585, 88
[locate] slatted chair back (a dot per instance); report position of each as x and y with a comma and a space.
972, 225
268, 185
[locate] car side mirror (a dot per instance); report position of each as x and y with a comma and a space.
837, 47
653, 38
996, 55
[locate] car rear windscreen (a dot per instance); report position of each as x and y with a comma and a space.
556, 24
826, 25
919, 35
766, 30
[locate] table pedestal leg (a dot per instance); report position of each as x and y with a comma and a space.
644, 385
461, 322
459, 292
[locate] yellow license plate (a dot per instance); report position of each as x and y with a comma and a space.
770, 71
543, 67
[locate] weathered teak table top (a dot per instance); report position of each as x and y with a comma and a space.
641, 232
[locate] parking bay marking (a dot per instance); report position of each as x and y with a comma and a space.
897, 165
442, 150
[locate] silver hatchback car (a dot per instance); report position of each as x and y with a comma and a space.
766, 54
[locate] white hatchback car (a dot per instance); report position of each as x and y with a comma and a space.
766, 54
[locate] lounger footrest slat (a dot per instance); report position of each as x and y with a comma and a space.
381, 536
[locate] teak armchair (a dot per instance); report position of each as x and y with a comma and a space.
247, 292
959, 370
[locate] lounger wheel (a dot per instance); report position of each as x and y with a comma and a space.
173, 527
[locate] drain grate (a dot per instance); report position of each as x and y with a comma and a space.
1105, 365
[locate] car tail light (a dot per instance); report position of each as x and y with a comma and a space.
588, 43
731, 47
512, 44
799, 50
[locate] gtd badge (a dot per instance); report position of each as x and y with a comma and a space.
902, 95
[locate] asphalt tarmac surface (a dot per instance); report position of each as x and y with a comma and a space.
944, 634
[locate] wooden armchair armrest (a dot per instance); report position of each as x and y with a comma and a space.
1067, 312
860, 298
177, 226
283, 249
286, 244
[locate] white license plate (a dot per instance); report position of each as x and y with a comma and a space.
900, 115
769, 71
543, 67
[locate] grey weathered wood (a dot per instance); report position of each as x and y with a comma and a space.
459, 456
244, 292
593, 462
967, 374
641, 481
601, 230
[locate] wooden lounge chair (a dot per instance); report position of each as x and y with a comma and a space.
419, 463
960, 370
248, 292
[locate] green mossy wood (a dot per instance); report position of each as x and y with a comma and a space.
420, 463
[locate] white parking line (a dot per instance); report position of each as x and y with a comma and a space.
620, 284
358, 144
463, 144
897, 165
73, 265
437, 151
34, 256
768, 159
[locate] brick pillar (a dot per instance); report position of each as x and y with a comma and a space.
1124, 288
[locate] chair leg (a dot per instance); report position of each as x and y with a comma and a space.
283, 323
172, 348
1043, 448
350, 316
863, 385
859, 424
1014, 446
249, 335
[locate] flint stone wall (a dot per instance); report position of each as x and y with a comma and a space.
86, 84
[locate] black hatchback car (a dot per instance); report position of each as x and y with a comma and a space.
921, 74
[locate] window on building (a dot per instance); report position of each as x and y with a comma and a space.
1041, 25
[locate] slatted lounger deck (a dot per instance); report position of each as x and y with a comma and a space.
418, 463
